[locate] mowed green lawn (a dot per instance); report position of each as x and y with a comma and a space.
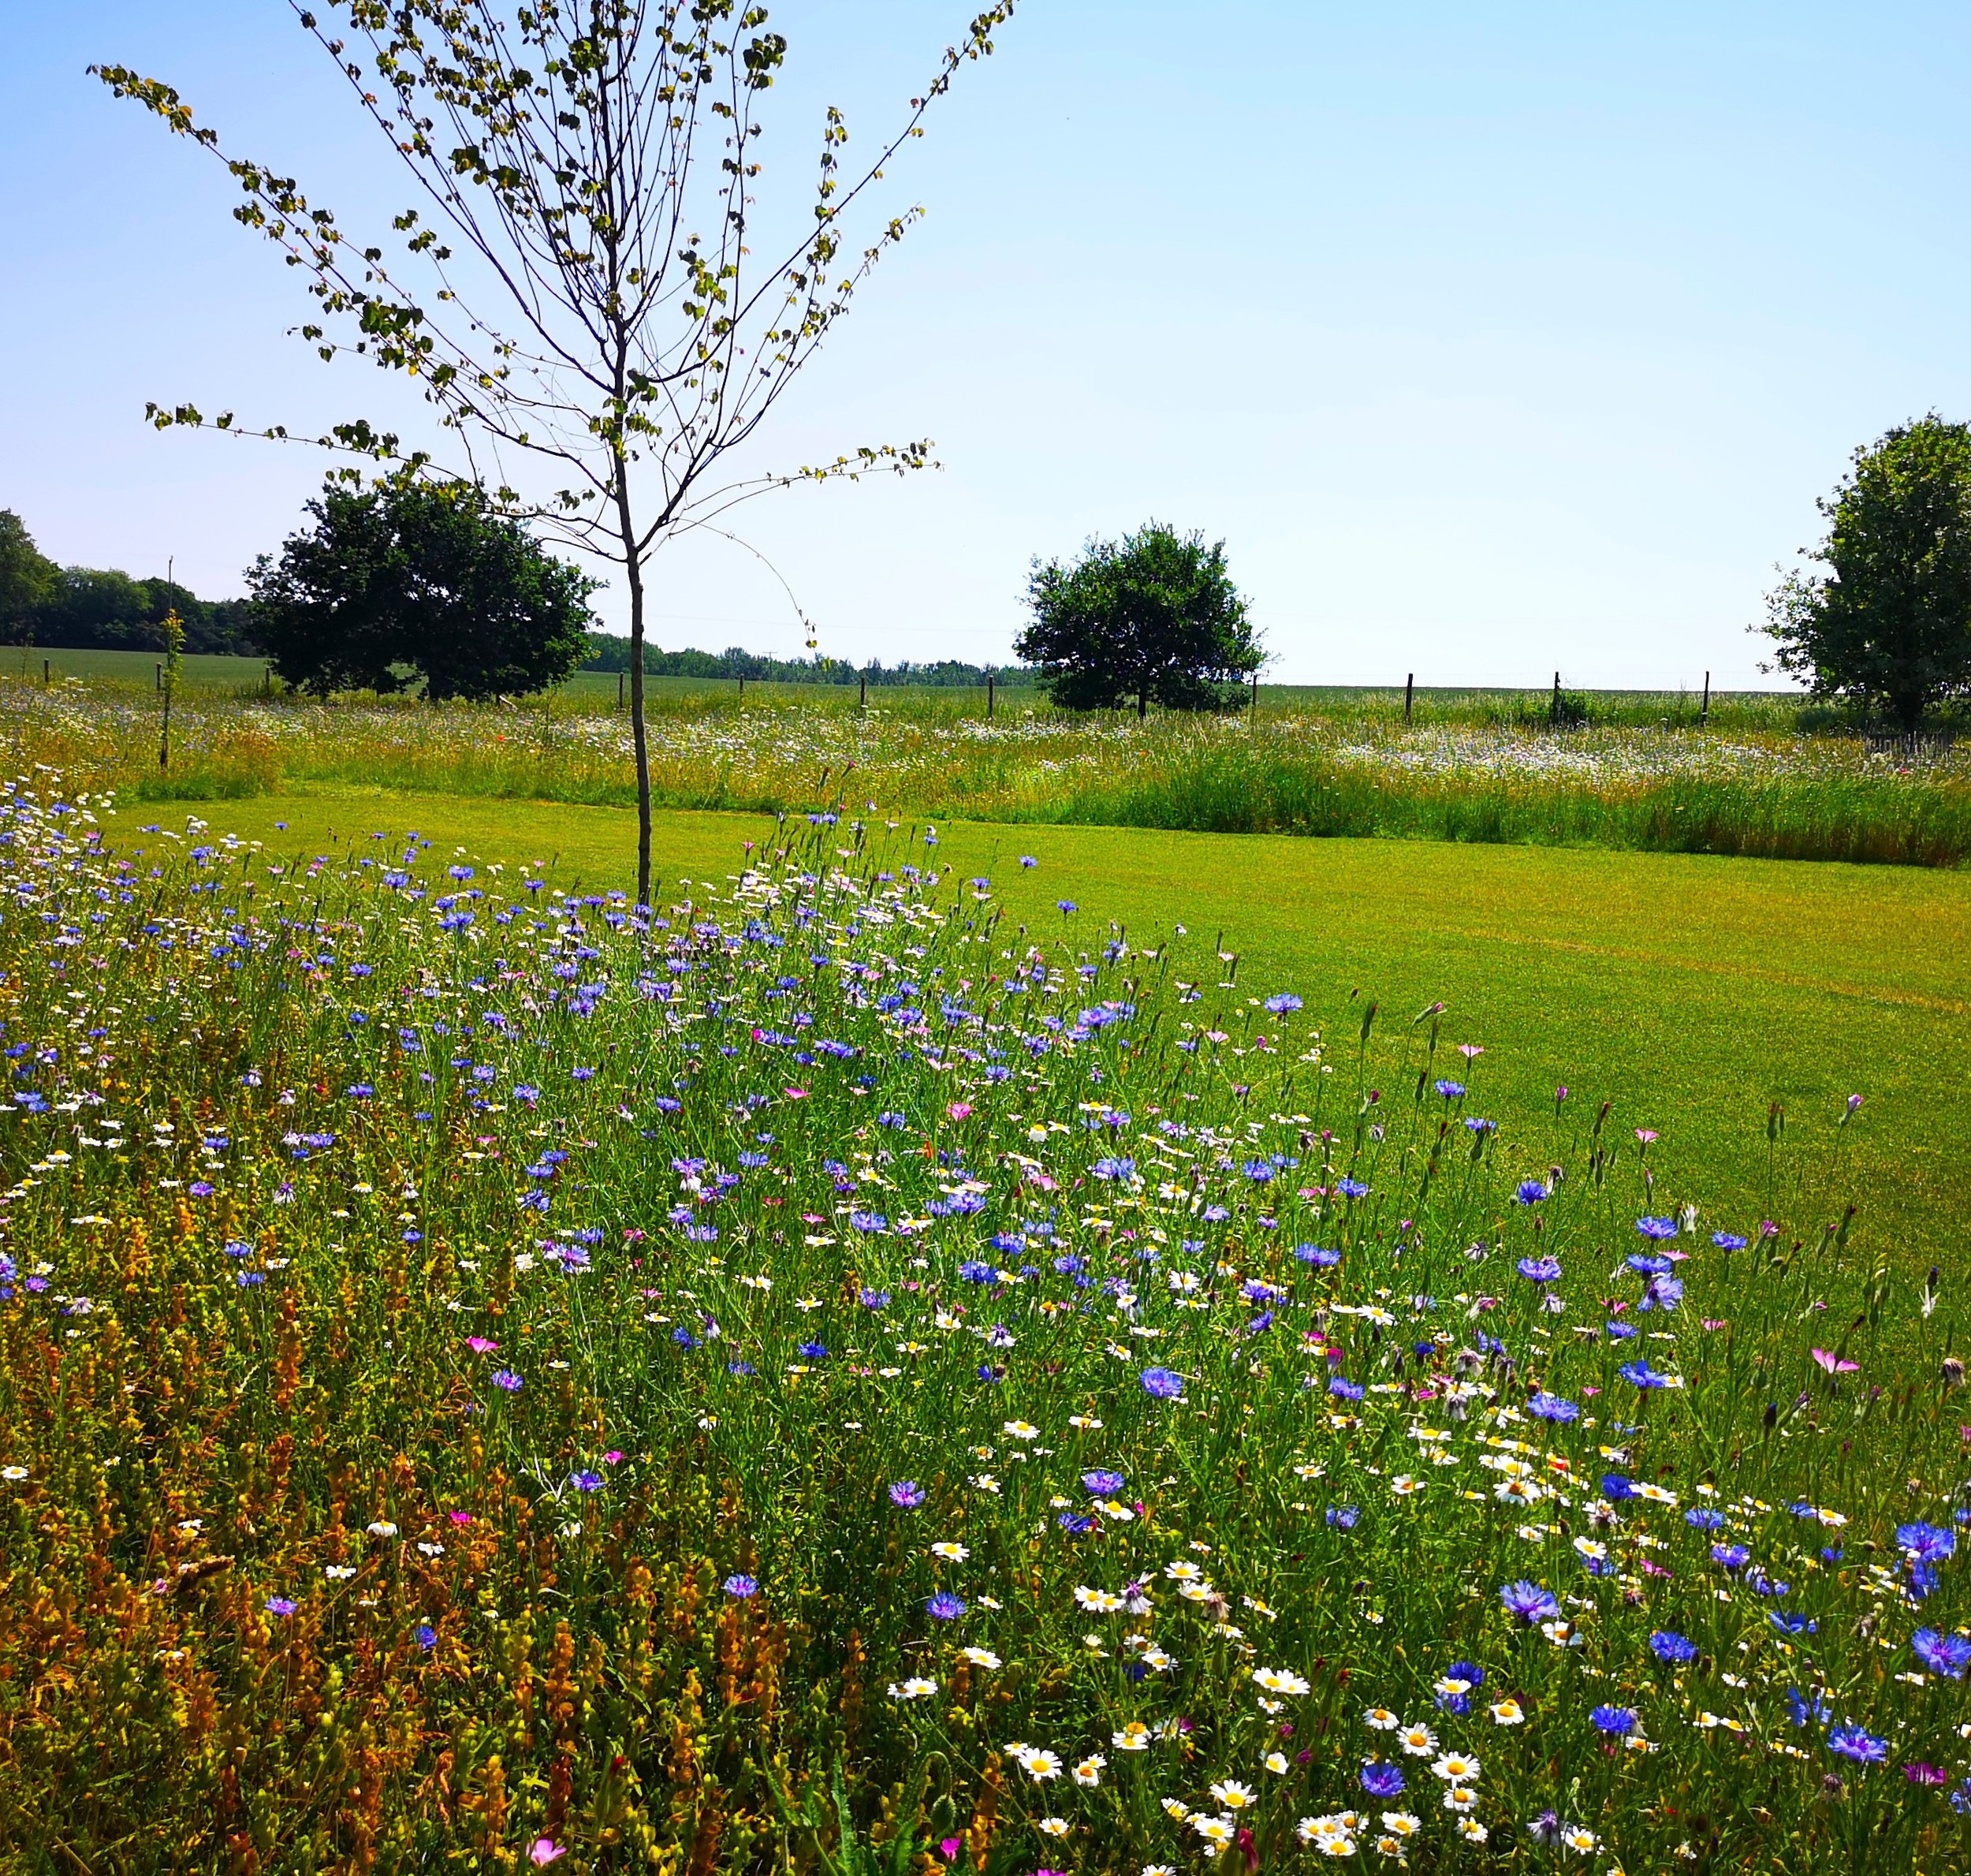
1692, 992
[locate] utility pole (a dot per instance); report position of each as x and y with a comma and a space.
989, 693
861, 691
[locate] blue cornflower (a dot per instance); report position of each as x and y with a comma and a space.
1075, 1522
1731, 1556
945, 1607
1102, 1483
1450, 1090
1946, 1654
1342, 1517
1811, 1710
1161, 1383
1668, 1647
1639, 1374
1379, 1779
1342, 1389
425, 1636
280, 1605
1317, 1254
1657, 1228
908, 1493
1788, 1623
1351, 1188
1551, 1406
741, 1588
812, 1352
586, 1481
873, 1299
1530, 1191
1927, 1543
1853, 1742
1615, 1488
1620, 1721
1529, 1601
870, 1221
975, 1270
1539, 1270
1644, 1265
1727, 1240
1282, 1003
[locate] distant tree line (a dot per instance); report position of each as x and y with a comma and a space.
100, 609
607, 652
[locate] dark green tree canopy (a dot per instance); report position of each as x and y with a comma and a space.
1153, 616
1888, 625
26, 574
419, 581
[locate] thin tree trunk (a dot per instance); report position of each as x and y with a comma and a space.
640, 741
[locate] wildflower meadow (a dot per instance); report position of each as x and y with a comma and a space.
816, 1375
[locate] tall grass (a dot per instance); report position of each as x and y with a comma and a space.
1354, 770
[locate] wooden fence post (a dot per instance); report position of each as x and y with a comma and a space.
862, 692
1704, 715
622, 678
47, 676
1410, 690
989, 693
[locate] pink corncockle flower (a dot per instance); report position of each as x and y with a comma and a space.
545, 1851
480, 1344
960, 1110
1713, 1323
1468, 1051
611, 1459
461, 1517
1645, 1135
1834, 1364
796, 1094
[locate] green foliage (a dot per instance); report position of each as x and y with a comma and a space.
26, 575
419, 581
610, 652
1888, 627
1154, 616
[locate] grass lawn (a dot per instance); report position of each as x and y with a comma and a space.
1691, 992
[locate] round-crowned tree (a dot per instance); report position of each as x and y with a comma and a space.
1887, 625
418, 583
1153, 618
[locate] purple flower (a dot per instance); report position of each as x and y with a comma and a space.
1730, 1556
1379, 1779
1342, 1389
1621, 1721
1314, 1254
1529, 1601
1672, 1648
425, 1636
200, 1188
1539, 1270
1161, 1384
1282, 1003
1701, 1517
1852, 1742
1343, 1517
1450, 1090
1947, 1655
1351, 1188
1530, 1192
908, 1493
1102, 1483
741, 1588
279, 1606
945, 1607
1657, 1228
586, 1481
505, 1379
1551, 1406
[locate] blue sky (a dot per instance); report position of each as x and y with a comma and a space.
1491, 341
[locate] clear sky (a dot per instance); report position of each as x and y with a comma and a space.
1491, 340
